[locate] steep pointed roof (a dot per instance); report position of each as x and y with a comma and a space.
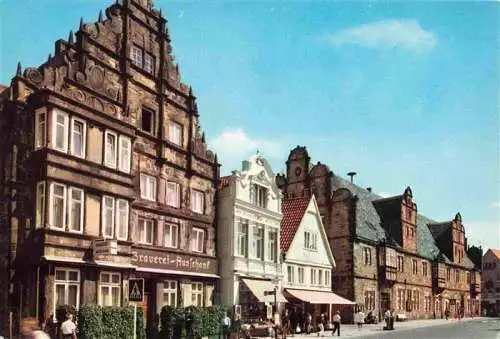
293, 211
439, 228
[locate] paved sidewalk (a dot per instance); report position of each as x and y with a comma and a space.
350, 331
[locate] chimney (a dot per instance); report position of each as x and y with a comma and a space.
369, 189
351, 174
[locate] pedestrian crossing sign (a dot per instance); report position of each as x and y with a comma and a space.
135, 290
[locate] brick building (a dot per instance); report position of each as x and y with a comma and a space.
491, 282
105, 174
387, 255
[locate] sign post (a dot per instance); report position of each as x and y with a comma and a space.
135, 294
274, 292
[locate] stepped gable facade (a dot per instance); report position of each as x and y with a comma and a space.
387, 254
105, 174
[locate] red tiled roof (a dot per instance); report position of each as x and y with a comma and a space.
496, 253
293, 211
224, 182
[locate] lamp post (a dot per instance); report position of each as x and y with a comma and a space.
275, 293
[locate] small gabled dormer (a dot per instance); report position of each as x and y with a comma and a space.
458, 239
408, 221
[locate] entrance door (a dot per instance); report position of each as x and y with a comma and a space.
385, 302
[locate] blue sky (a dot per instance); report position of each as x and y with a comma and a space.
403, 93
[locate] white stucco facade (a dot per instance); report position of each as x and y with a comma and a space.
248, 229
309, 260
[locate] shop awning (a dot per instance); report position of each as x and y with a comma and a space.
258, 287
319, 297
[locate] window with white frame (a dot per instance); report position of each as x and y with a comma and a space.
328, 280
314, 277
272, 246
110, 289
290, 270
136, 56
124, 153
108, 216
76, 203
169, 293
122, 212
175, 133
197, 201
146, 231
258, 242
148, 187
60, 131
149, 63
40, 129
197, 294
173, 194
310, 240
242, 248
320, 276
78, 137
197, 240
301, 274
171, 235
110, 149
260, 196
66, 287
40, 204
57, 211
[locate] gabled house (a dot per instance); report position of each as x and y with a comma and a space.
491, 282
307, 258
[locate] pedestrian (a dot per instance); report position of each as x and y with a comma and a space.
309, 323
226, 326
189, 324
31, 330
359, 318
387, 318
286, 323
68, 328
393, 314
447, 313
336, 323
236, 327
321, 325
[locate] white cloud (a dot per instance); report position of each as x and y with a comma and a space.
496, 204
406, 34
235, 145
484, 233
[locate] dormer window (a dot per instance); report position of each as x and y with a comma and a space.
260, 196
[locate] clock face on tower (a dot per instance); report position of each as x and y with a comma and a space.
298, 170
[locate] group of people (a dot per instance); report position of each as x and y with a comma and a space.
30, 329
301, 322
389, 319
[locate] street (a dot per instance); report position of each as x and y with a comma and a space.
483, 328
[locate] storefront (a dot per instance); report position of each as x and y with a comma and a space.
256, 300
174, 279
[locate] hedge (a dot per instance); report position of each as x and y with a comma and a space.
206, 321
96, 322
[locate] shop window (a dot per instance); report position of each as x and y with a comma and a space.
66, 287
109, 289
171, 235
146, 231
243, 238
197, 240
148, 187
175, 133
197, 294
169, 293
173, 194
40, 130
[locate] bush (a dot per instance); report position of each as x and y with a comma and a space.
96, 322
206, 321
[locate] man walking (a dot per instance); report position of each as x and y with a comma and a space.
226, 326
336, 323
